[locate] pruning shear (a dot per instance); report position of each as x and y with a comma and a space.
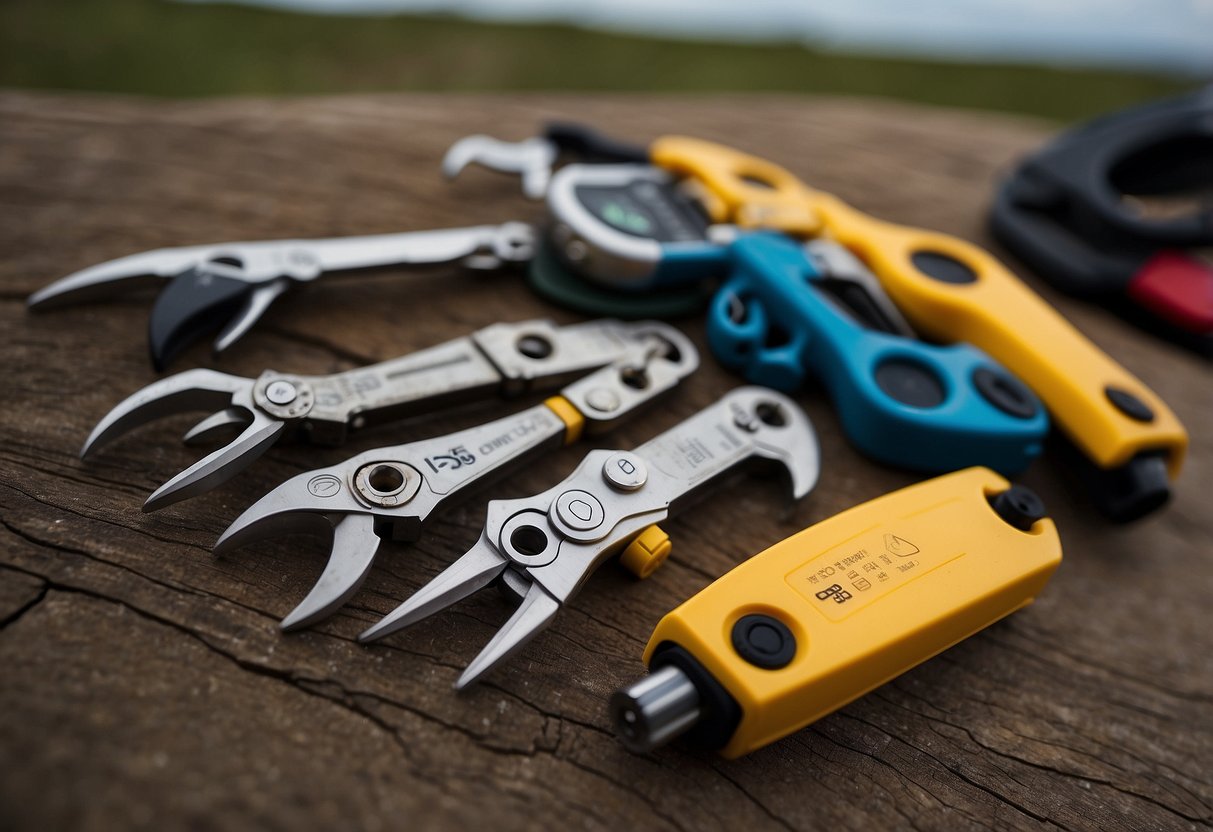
1073, 212
1129, 444
544, 548
504, 359
227, 287
391, 493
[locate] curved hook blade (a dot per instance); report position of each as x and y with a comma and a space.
191, 390
354, 547
531, 159
314, 501
114, 276
219, 424
256, 302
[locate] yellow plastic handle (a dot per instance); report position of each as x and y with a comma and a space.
754, 192
1001, 315
993, 311
867, 595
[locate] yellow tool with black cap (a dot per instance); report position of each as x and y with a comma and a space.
1129, 443
828, 614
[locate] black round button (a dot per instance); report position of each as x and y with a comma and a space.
1005, 392
943, 267
764, 641
910, 382
1019, 507
1128, 404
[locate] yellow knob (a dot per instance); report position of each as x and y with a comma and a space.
648, 551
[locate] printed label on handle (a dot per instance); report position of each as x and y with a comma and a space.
869, 566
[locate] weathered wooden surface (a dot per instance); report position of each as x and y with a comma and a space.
145, 683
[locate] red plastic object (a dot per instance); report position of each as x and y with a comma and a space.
1178, 288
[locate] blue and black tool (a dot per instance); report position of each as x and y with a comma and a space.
786, 311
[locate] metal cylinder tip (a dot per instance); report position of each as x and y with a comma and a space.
654, 710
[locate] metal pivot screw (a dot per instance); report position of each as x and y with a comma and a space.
625, 471
579, 510
602, 399
281, 392
386, 483
304, 264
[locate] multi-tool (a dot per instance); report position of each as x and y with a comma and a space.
1129, 444
390, 493
900, 400
828, 614
504, 359
227, 287
1078, 211
543, 548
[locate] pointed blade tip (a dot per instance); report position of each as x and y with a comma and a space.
162, 497
296, 619
387, 625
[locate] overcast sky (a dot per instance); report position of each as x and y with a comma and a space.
1174, 35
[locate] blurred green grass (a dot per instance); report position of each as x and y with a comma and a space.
174, 49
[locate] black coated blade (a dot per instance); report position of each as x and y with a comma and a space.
194, 304
588, 145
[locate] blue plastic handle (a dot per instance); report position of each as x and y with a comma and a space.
901, 401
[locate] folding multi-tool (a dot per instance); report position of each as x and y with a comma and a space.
543, 548
1129, 444
900, 400
390, 493
504, 359
1111, 211
828, 614
227, 287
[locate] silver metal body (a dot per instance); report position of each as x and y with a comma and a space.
595, 249
503, 359
834, 260
271, 267
654, 710
532, 159
390, 492
551, 543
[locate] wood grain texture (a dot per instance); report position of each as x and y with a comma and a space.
146, 685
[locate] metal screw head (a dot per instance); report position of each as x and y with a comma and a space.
281, 392
580, 510
625, 471
602, 399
